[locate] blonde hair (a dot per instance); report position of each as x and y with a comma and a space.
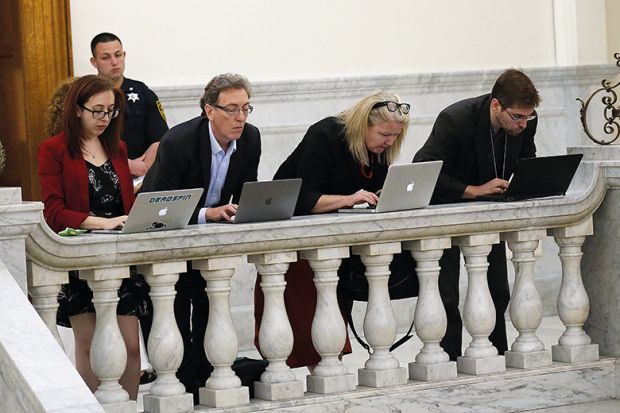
361, 115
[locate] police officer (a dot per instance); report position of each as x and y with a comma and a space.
145, 121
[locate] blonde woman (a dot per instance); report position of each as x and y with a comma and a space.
343, 161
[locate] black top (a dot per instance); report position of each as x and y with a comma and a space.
145, 121
461, 138
326, 166
104, 192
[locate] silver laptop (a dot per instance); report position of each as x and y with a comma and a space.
159, 211
407, 186
267, 201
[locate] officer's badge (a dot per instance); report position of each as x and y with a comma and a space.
133, 96
160, 107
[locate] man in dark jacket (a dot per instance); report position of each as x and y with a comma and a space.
217, 151
480, 141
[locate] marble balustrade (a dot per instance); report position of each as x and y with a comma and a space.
216, 250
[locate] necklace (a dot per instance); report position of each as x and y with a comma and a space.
92, 155
493, 152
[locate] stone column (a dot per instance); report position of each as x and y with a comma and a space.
328, 327
600, 261
481, 356
573, 303
432, 362
44, 285
223, 388
382, 368
108, 354
17, 220
525, 303
165, 345
278, 382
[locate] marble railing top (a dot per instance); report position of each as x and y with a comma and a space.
319, 231
17, 218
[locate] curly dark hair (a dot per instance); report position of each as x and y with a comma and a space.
54, 122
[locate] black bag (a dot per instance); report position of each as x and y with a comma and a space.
403, 283
249, 371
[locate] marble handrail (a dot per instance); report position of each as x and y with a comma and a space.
328, 230
324, 240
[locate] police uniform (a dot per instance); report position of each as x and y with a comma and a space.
145, 121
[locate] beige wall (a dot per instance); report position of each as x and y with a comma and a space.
613, 28
186, 42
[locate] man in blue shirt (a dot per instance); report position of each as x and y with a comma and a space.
217, 151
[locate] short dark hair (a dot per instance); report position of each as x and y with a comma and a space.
79, 93
104, 37
514, 89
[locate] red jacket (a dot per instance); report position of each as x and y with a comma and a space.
64, 183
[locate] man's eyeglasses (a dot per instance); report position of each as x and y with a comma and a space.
516, 118
235, 110
393, 106
100, 114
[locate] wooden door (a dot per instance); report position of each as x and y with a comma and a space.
35, 55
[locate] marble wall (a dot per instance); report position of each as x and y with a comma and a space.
284, 110
601, 266
35, 374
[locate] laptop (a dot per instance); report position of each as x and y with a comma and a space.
267, 201
538, 178
159, 211
407, 186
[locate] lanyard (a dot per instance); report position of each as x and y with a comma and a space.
493, 152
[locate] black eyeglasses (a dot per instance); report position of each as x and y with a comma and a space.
516, 118
100, 114
235, 110
393, 106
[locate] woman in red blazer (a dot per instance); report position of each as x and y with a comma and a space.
85, 183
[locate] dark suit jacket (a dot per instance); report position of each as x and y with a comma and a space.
184, 161
326, 166
461, 138
64, 183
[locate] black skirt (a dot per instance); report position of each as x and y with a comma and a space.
76, 298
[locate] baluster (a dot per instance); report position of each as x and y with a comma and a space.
328, 327
481, 356
278, 382
165, 345
108, 354
432, 362
381, 368
525, 304
223, 388
573, 304
43, 286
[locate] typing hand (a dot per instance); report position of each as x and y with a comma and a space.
222, 213
362, 196
114, 223
494, 186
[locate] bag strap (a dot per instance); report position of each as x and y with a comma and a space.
365, 345
403, 339
357, 337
